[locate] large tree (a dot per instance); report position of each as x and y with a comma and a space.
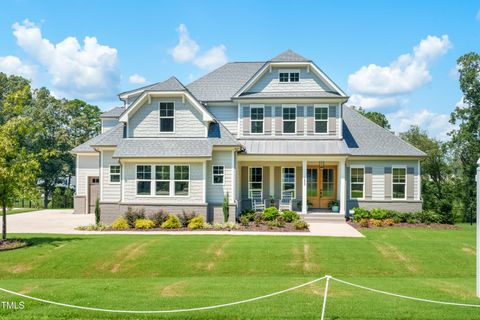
18, 166
377, 117
465, 141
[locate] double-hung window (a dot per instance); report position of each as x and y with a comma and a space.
162, 180
288, 76
167, 116
399, 178
181, 179
357, 182
321, 119
288, 181
256, 119
255, 180
144, 177
289, 119
114, 173
218, 174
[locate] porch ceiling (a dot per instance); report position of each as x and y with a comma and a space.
295, 147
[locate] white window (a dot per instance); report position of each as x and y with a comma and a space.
181, 177
289, 117
114, 173
256, 119
321, 119
162, 180
357, 182
255, 180
399, 181
289, 76
218, 174
144, 183
167, 116
288, 181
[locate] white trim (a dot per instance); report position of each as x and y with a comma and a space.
248, 181
257, 106
137, 180
392, 183
238, 119
110, 173
160, 117
284, 106
343, 188
223, 175
171, 181
294, 196
419, 181
272, 181
322, 106
101, 175
289, 71
123, 176
234, 177
154, 178
357, 166
204, 181
304, 187
76, 174
340, 117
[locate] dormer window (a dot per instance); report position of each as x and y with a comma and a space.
167, 116
289, 76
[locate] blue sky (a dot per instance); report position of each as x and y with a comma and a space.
395, 57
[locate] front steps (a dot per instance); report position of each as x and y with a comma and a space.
329, 217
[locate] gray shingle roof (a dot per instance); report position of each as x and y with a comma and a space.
170, 148
222, 83
291, 94
289, 56
171, 84
110, 138
295, 147
366, 138
113, 113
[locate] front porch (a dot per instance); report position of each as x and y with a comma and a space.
313, 181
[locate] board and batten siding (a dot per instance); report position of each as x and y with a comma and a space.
378, 177
145, 122
215, 192
305, 121
269, 82
110, 191
108, 124
196, 186
88, 166
227, 115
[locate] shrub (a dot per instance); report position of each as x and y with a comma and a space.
248, 213
388, 222
411, 221
158, 217
172, 222
244, 221
196, 223
364, 223
290, 216
217, 226
230, 226
225, 208
397, 219
379, 214
97, 212
445, 210
120, 224
360, 213
207, 225
427, 217
333, 203
376, 222
258, 218
402, 216
186, 217
133, 215
300, 225
279, 223
144, 224
270, 214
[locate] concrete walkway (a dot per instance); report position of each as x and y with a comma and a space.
63, 221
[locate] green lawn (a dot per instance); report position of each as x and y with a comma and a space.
166, 272
21, 210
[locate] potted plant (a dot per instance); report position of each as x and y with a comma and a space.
272, 201
334, 205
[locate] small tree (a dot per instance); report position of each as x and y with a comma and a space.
97, 212
18, 167
226, 208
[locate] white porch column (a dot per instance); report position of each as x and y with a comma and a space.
204, 181
304, 187
343, 188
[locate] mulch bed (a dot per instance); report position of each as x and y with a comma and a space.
356, 225
11, 244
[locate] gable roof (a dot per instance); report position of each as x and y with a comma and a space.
366, 138
114, 113
289, 56
109, 138
222, 83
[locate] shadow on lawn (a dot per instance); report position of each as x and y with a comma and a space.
41, 241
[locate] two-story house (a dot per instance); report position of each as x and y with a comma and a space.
267, 127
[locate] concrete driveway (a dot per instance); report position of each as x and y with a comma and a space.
63, 221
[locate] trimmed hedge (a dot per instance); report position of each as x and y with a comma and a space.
426, 216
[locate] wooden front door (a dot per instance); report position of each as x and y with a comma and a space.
321, 185
93, 192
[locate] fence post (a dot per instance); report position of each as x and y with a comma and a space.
478, 228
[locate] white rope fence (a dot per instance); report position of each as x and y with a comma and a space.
327, 277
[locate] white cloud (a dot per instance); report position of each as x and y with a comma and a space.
136, 79
370, 102
88, 72
13, 65
436, 124
478, 15
461, 103
187, 50
213, 58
